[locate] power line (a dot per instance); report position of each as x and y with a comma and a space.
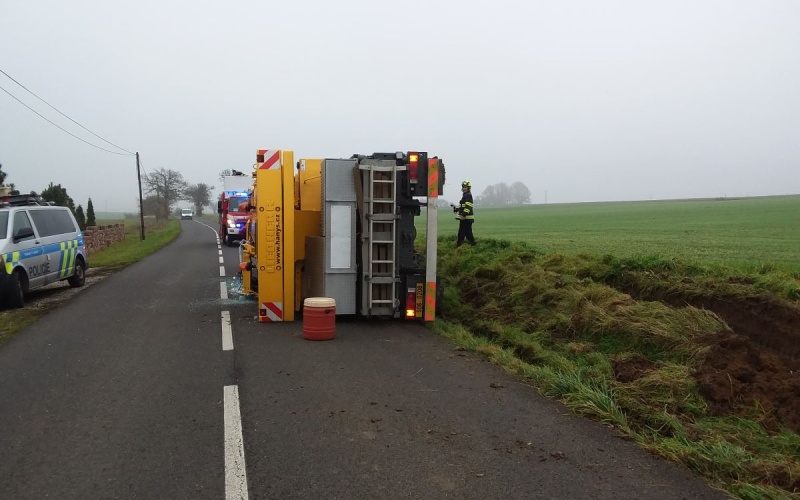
62, 114
62, 128
142, 166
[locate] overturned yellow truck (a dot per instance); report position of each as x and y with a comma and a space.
343, 229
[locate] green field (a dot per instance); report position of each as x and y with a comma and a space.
735, 232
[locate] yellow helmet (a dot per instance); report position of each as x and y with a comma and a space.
466, 184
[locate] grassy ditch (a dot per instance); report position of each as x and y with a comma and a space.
698, 364
115, 257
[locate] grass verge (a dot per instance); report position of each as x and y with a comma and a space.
133, 248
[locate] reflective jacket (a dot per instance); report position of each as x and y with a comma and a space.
465, 206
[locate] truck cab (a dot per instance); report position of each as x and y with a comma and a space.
232, 207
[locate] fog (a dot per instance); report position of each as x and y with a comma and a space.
581, 101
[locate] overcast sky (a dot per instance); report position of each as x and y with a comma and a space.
580, 100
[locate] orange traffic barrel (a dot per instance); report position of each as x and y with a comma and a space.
319, 318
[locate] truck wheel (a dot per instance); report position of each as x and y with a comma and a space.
78, 278
16, 293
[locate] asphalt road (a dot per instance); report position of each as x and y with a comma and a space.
125, 391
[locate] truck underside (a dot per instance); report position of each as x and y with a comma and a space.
343, 229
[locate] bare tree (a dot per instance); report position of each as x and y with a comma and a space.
225, 173
200, 196
502, 194
520, 193
150, 205
494, 195
167, 186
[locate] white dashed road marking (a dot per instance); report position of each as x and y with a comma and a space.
235, 472
227, 332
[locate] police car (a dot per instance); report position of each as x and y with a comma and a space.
39, 244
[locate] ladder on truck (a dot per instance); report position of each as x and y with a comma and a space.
380, 267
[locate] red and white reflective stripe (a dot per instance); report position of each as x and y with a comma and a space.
430, 300
433, 178
271, 311
271, 159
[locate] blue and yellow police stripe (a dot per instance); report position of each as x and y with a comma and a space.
11, 259
67, 260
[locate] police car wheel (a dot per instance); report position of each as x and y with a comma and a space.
78, 279
16, 294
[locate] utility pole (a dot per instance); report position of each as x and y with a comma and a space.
141, 204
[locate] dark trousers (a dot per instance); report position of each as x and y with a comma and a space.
465, 231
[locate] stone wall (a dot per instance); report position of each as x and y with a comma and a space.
97, 238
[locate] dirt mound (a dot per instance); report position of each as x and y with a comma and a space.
774, 326
740, 377
754, 372
631, 369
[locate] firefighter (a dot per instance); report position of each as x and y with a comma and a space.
466, 215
